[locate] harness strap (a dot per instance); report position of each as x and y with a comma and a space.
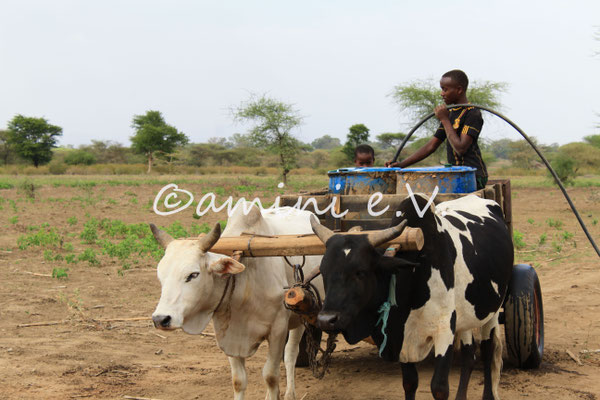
231, 279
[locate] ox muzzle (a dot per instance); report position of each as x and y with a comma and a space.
328, 321
162, 322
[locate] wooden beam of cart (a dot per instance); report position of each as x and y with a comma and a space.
299, 245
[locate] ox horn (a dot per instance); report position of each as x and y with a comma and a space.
379, 238
162, 237
208, 241
322, 232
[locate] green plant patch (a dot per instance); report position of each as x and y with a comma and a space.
60, 273
518, 240
43, 237
89, 255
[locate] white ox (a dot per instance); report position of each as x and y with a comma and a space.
197, 286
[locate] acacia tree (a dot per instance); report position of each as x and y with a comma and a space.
418, 98
273, 121
153, 134
388, 139
33, 138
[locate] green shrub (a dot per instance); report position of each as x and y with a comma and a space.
80, 157
28, 188
565, 168
57, 167
90, 231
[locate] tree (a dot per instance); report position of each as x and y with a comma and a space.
521, 154
418, 98
594, 140
273, 122
153, 135
387, 140
358, 134
326, 143
33, 138
5, 151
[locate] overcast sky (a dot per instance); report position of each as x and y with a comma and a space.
90, 66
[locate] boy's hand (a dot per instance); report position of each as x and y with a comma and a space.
441, 112
391, 164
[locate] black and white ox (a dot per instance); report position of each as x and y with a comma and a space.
453, 286
243, 299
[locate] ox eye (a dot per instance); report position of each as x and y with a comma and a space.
191, 276
361, 274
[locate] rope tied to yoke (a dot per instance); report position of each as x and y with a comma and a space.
384, 312
385, 308
318, 366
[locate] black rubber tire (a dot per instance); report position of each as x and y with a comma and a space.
303, 357
524, 318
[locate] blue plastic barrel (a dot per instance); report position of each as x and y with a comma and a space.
394, 180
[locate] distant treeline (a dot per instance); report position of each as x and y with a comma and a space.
321, 155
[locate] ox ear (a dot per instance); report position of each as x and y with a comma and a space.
162, 237
395, 264
226, 265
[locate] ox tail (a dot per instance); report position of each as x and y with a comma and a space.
496, 360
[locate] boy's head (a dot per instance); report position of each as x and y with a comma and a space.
454, 86
364, 156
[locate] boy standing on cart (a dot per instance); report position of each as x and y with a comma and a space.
460, 125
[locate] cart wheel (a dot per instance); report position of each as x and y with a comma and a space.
524, 318
303, 356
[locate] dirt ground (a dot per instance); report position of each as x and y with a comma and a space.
85, 356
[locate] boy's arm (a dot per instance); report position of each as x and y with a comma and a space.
418, 155
460, 143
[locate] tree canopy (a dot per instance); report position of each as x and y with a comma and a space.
358, 134
326, 142
418, 98
272, 122
594, 140
153, 134
387, 140
33, 138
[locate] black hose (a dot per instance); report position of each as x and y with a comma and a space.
556, 178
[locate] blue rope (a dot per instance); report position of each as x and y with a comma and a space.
384, 311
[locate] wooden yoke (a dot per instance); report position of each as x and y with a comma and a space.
298, 298
301, 245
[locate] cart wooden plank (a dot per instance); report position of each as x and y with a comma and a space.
297, 245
